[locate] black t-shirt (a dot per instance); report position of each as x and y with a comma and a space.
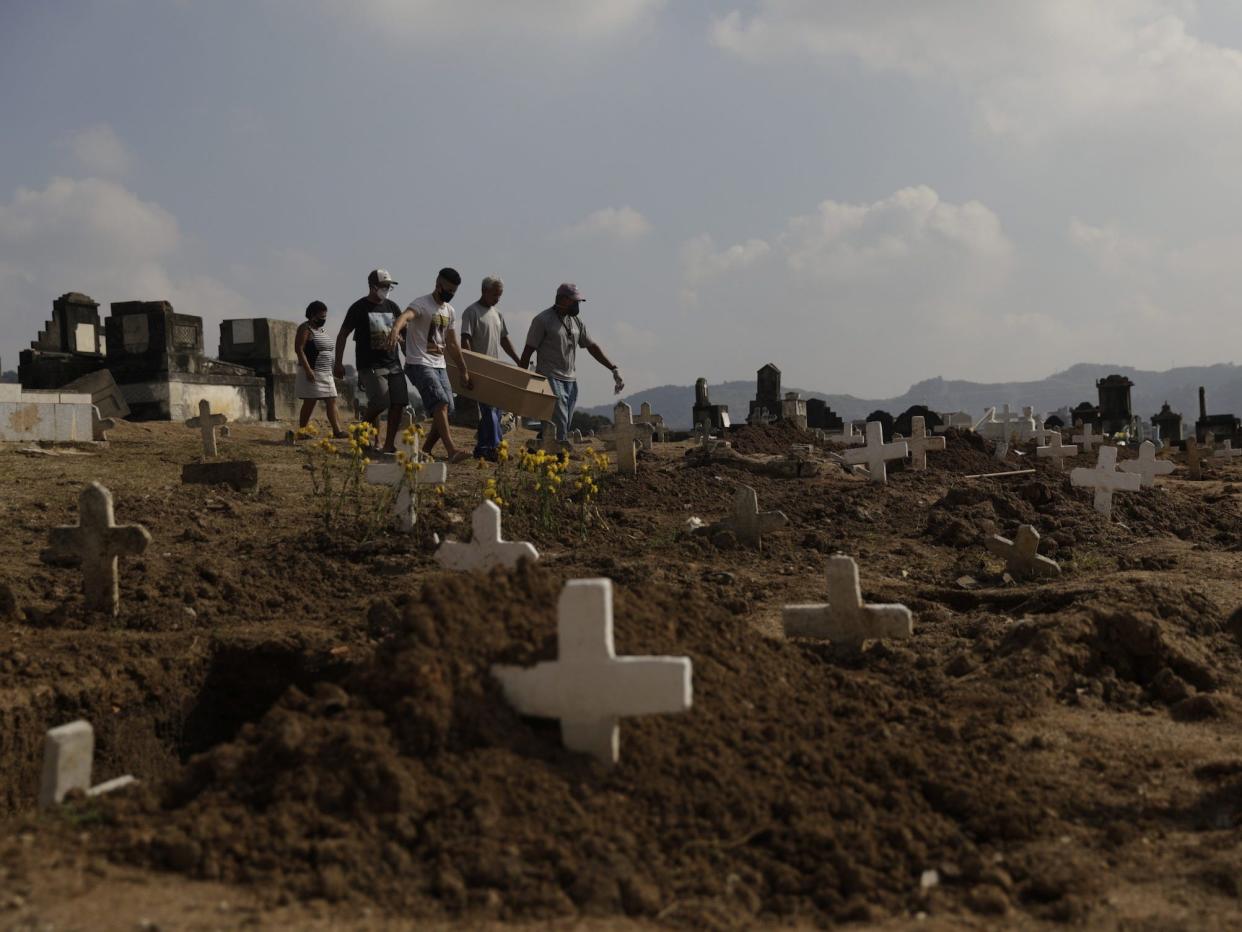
371, 323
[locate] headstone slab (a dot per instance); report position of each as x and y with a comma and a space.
68, 757
486, 548
1021, 555
845, 619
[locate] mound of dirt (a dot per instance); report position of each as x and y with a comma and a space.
749, 439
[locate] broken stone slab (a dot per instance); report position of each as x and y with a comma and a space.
486, 548
206, 423
876, 453
240, 475
68, 757
1105, 479
845, 619
100, 425
105, 394
588, 687
1147, 466
747, 523
96, 543
1021, 555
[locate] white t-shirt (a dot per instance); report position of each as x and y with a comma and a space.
424, 335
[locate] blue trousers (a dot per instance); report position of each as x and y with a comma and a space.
489, 432
566, 400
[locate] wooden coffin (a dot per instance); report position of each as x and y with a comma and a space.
504, 386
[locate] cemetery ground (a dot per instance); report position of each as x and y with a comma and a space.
319, 743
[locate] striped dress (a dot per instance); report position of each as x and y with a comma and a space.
319, 350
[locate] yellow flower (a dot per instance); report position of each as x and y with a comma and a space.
439, 490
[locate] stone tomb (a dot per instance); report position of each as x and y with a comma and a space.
266, 346
1147, 466
1021, 555
588, 687
68, 757
919, 443
206, 423
486, 549
1056, 450
96, 542
747, 523
845, 619
716, 417
68, 347
876, 453
1105, 479
393, 475
766, 405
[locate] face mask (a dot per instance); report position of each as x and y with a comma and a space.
573, 310
445, 297
319, 322
383, 292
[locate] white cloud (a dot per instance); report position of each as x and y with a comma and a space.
701, 262
620, 223
99, 151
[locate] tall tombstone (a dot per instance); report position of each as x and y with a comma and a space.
69, 346
716, 417
1115, 410
767, 393
1170, 424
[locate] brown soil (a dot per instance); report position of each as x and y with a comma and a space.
319, 738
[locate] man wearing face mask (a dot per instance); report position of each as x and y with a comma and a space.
555, 334
379, 367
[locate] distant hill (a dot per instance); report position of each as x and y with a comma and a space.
1180, 387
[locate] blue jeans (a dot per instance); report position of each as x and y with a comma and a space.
489, 432
566, 400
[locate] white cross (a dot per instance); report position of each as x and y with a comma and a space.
876, 452
486, 548
1226, 451
626, 434
748, 523
919, 443
97, 541
68, 754
1021, 555
1056, 450
392, 474
588, 687
846, 619
207, 423
1105, 479
1085, 440
1147, 466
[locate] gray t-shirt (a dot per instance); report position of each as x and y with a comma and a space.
555, 340
485, 327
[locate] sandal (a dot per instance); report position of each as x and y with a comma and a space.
459, 457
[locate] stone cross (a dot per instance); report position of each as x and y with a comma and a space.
626, 433
1193, 469
1147, 466
392, 474
876, 452
1226, 451
68, 754
1086, 439
1056, 450
97, 541
588, 687
486, 548
1105, 479
919, 443
747, 522
207, 423
1021, 555
846, 619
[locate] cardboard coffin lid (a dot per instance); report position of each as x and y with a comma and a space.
504, 386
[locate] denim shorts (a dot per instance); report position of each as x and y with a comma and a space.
432, 386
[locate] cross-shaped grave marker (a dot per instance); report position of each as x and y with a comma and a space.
486, 548
97, 541
1226, 451
1086, 440
1021, 555
747, 522
393, 475
919, 443
845, 618
1147, 466
1056, 450
588, 687
877, 452
626, 433
207, 423
1105, 479
68, 755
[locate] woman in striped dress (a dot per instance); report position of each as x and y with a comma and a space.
315, 350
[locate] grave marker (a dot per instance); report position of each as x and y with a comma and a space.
588, 687
919, 443
68, 755
393, 475
97, 541
486, 548
845, 618
1021, 555
747, 522
1147, 466
1105, 479
1086, 440
1056, 450
877, 452
1193, 467
207, 423
1226, 451
626, 433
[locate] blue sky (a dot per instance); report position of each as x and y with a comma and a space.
864, 194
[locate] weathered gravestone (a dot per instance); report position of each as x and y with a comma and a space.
747, 523
919, 443
845, 619
876, 453
1105, 479
1226, 451
626, 434
486, 549
1021, 555
68, 756
96, 542
403, 476
1147, 466
588, 687
1086, 440
1194, 467
1056, 450
206, 422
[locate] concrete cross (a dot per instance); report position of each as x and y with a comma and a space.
1147, 466
68, 755
588, 687
392, 474
1086, 440
626, 433
207, 423
1193, 469
97, 541
919, 443
486, 548
1226, 451
1105, 479
846, 619
876, 452
1021, 555
1056, 450
747, 522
